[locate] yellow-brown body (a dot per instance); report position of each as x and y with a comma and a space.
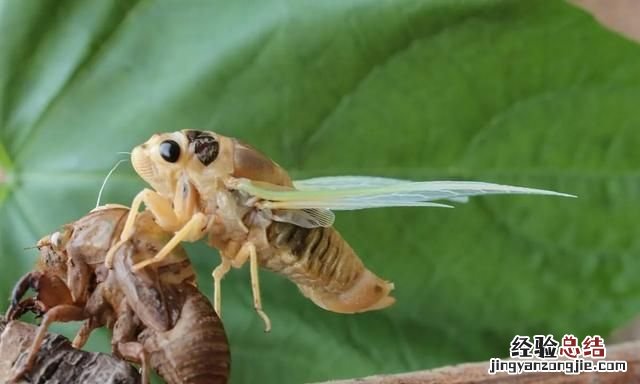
206, 184
325, 268
194, 176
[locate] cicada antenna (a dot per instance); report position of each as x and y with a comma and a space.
104, 182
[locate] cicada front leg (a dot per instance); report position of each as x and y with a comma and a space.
191, 231
98, 310
162, 212
248, 252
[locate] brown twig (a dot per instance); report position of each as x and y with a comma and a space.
618, 15
477, 373
58, 362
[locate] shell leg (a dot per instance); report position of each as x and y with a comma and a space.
96, 305
29, 304
123, 341
26, 282
83, 333
61, 313
134, 352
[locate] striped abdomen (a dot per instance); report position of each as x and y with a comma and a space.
325, 268
196, 350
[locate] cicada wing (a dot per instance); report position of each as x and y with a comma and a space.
306, 217
340, 182
359, 192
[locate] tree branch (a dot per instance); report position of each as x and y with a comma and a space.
618, 15
477, 373
58, 362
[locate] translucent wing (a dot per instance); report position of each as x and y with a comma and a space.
338, 182
359, 192
307, 218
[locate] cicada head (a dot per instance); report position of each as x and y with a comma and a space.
53, 256
196, 156
202, 158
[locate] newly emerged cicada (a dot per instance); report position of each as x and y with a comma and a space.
206, 184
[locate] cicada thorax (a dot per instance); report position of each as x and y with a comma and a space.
235, 218
251, 164
214, 158
325, 268
93, 234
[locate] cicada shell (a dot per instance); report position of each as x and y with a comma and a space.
158, 317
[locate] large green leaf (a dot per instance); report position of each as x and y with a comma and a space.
529, 93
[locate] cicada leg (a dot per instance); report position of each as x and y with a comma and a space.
218, 274
61, 313
96, 304
161, 209
123, 340
88, 326
134, 352
248, 251
191, 231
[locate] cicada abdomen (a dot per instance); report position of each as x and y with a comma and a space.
325, 268
195, 350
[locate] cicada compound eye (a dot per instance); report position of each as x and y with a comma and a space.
170, 151
55, 241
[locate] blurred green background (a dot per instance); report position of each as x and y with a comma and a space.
527, 93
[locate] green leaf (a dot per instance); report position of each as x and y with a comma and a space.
6, 175
527, 93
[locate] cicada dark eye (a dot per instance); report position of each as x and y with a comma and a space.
56, 241
170, 151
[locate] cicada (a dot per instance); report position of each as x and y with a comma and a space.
158, 317
207, 185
